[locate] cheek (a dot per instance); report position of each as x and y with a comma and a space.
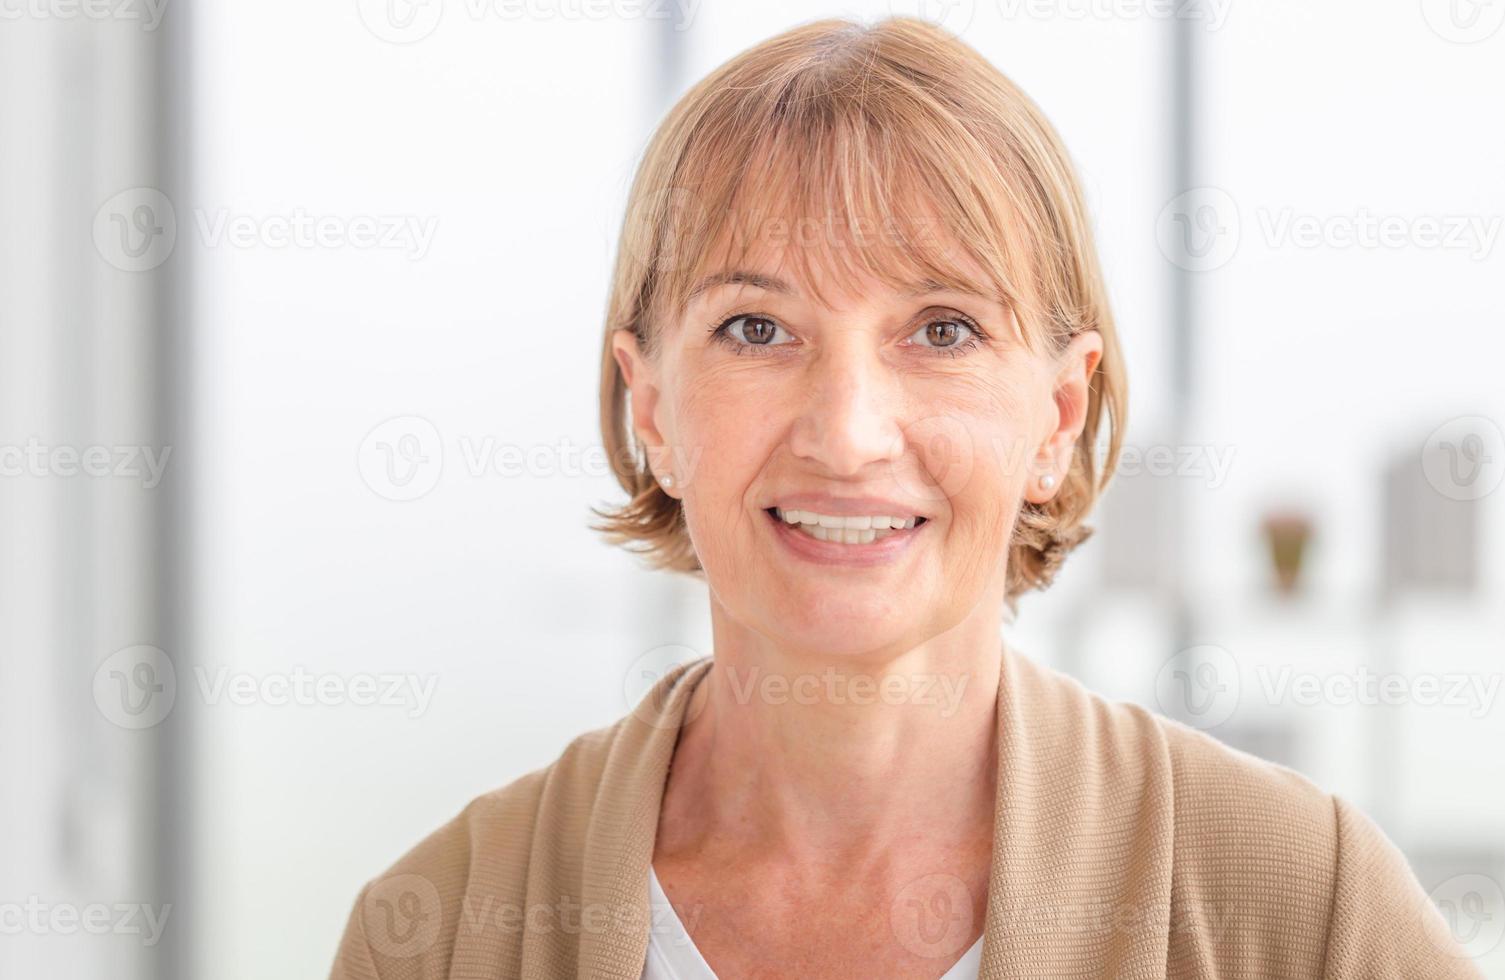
725, 433
975, 440
977, 451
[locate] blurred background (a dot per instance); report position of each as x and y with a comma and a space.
300, 318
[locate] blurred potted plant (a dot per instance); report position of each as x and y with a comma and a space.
1287, 533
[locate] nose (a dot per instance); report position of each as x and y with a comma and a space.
849, 419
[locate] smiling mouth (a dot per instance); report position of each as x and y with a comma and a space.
859, 530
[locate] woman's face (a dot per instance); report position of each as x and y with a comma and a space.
850, 474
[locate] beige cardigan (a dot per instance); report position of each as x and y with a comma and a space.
1126, 845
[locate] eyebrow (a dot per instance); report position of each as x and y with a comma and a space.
775, 285
740, 278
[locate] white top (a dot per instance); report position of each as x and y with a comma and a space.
672, 954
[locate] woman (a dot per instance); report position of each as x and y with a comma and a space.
858, 359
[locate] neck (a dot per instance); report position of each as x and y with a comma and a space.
815, 759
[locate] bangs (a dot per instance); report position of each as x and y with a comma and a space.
842, 175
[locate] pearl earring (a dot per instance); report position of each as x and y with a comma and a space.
667, 480
1047, 481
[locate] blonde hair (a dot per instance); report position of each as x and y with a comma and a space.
898, 125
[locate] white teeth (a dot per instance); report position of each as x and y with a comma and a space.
845, 530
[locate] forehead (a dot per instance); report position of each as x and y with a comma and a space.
831, 252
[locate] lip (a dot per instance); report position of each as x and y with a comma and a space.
880, 552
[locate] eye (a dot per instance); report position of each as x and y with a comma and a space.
751, 330
944, 333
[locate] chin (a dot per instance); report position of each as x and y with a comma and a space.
846, 624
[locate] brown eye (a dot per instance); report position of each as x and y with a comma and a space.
942, 333
757, 331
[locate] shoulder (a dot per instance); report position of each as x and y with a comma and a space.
1219, 790
406, 921
1270, 873
466, 891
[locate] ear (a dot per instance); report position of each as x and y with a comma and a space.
1071, 390
641, 377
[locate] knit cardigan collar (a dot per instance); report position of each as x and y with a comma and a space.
1080, 876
